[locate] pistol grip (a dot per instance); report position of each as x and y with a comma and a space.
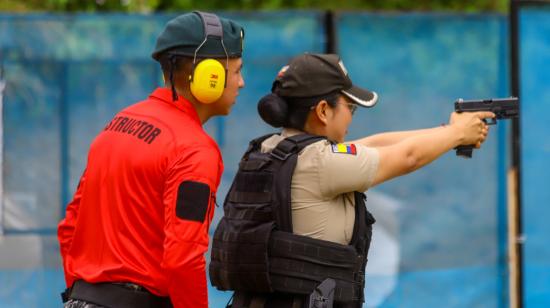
465, 151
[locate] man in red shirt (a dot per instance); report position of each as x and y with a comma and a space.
136, 230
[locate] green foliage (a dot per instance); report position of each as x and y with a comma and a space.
145, 6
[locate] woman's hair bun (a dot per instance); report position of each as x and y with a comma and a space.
273, 110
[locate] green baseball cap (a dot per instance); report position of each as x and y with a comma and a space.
185, 33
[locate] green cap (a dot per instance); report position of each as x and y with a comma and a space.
185, 33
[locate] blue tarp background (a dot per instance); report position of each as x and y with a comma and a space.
440, 238
535, 153
451, 212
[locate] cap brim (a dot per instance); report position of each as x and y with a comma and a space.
361, 97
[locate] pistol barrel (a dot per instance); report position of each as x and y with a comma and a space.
503, 108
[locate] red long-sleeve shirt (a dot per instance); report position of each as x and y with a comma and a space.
143, 206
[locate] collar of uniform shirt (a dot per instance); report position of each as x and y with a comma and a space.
165, 95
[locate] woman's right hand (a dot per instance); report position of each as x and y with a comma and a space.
471, 125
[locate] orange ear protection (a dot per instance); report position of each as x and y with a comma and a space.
208, 79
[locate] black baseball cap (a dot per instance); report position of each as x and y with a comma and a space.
312, 75
183, 34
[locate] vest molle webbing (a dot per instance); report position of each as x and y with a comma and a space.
254, 249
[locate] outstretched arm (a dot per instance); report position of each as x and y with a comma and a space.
419, 150
390, 138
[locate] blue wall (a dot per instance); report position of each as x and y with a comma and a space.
535, 153
451, 251
440, 239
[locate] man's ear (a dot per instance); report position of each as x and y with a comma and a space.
322, 111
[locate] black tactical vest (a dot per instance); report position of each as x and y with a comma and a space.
254, 249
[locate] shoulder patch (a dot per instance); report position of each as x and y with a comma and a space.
192, 201
344, 148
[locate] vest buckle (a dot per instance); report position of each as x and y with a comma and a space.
359, 277
280, 155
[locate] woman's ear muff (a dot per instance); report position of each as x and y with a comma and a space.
208, 81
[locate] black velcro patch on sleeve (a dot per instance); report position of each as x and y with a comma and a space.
192, 202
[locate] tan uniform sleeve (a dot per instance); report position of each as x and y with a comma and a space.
343, 172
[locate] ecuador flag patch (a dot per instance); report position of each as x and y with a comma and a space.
344, 148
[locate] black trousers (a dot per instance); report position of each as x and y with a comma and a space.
113, 295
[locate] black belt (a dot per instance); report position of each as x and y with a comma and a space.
114, 295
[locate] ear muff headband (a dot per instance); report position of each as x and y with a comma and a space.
208, 80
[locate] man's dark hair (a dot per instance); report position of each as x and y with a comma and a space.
171, 64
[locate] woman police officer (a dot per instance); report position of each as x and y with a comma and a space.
308, 180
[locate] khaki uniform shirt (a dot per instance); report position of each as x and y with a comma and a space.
323, 203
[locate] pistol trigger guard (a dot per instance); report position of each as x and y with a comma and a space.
490, 121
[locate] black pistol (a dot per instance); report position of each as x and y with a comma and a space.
503, 108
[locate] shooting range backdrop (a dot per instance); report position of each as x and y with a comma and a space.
534, 48
440, 236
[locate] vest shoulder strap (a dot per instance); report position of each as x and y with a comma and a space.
255, 144
284, 159
293, 145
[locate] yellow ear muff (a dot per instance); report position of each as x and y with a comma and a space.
208, 81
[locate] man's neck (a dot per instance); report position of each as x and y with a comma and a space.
203, 110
